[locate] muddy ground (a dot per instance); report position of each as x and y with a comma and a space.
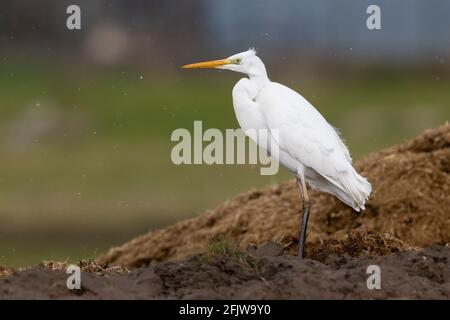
243, 249
263, 275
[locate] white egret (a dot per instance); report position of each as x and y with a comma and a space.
308, 145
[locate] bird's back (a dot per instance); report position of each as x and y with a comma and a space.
305, 137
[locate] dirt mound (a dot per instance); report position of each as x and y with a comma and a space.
227, 274
408, 208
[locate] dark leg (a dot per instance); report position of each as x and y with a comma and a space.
305, 215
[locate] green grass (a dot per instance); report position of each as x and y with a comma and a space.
222, 248
101, 171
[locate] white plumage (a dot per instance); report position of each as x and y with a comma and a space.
307, 142
308, 145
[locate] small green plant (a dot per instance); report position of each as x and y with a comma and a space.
221, 247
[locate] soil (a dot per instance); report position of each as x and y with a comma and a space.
405, 275
243, 249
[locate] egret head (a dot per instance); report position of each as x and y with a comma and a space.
246, 62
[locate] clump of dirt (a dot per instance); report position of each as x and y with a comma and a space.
224, 274
409, 208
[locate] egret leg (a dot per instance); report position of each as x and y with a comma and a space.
305, 214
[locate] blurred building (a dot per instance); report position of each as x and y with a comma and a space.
411, 31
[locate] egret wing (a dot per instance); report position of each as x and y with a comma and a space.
305, 136
303, 132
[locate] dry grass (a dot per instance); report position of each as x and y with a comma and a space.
408, 208
88, 265
5, 271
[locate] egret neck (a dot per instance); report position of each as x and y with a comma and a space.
259, 78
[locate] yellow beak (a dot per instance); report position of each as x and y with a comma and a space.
207, 64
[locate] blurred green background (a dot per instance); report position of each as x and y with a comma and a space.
85, 144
